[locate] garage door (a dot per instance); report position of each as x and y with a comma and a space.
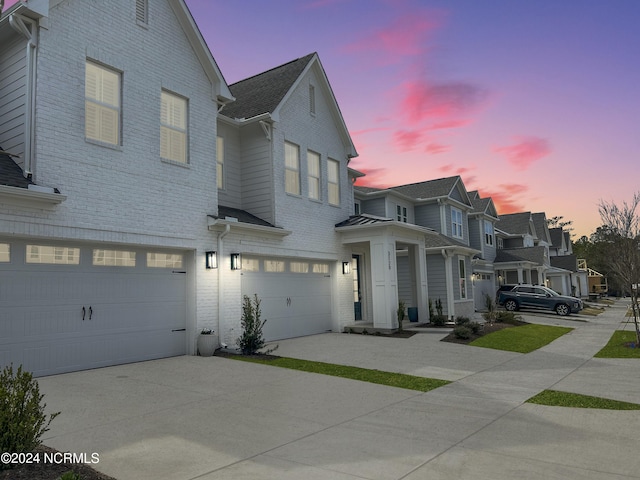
295, 295
484, 285
65, 308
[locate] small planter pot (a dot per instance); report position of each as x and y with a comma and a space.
207, 344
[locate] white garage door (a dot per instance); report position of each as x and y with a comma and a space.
65, 308
484, 285
295, 295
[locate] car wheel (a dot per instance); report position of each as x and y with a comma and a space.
511, 305
563, 309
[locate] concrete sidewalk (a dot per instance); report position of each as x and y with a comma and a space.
213, 418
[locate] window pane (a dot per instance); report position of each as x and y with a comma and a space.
5, 252
250, 264
173, 127
273, 266
53, 255
102, 104
299, 267
333, 182
313, 166
292, 168
114, 258
220, 162
320, 268
164, 260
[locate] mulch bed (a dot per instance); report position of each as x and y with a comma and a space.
488, 328
50, 471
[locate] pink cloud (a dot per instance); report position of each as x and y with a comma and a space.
504, 197
449, 124
424, 101
452, 169
405, 36
407, 140
435, 148
375, 177
525, 152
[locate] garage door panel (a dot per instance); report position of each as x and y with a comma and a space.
131, 314
293, 304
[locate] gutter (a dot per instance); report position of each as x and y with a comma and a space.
221, 235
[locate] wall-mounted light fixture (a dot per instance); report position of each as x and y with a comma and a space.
236, 261
346, 268
211, 259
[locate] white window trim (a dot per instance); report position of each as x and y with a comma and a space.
312, 99
314, 179
456, 226
172, 128
292, 172
462, 277
220, 154
333, 185
401, 213
488, 235
100, 106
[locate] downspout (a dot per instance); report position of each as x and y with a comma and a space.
17, 22
221, 235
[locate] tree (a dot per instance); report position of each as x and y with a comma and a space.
621, 229
559, 222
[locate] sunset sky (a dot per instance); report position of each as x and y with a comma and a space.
534, 103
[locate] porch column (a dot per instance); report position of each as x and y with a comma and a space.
448, 268
520, 275
385, 282
419, 255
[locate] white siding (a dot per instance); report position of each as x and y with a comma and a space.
13, 91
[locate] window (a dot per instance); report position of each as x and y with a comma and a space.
173, 127
499, 243
333, 168
312, 99
401, 213
250, 264
356, 208
299, 267
142, 12
114, 258
456, 222
220, 162
463, 277
164, 260
488, 233
320, 268
313, 166
5, 252
274, 266
102, 104
53, 255
292, 168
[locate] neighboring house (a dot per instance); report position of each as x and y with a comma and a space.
576, 283
523, 255
482, 220
417, 236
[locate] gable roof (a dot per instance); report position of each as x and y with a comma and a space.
515, 223
526, 254
427, 190
557, 236
267, 92
264, 92
540, 224
567, 262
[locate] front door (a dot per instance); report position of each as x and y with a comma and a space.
357, 288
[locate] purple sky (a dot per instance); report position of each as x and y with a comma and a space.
534, 103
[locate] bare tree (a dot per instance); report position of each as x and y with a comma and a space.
623, 225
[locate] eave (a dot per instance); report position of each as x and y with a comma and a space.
24, 196
219, 225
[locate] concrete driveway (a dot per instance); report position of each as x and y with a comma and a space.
214, 418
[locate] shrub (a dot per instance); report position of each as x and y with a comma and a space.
70, 475
462, 331
507, 317
438, 320
22, 417
400, 313
251, 340
474, 326
430, 309
462, 320
439, 309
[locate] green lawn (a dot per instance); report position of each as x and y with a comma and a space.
523, 339
391, 379
555, 398
616, 349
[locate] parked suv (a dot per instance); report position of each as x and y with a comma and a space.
537, 296
504, 288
